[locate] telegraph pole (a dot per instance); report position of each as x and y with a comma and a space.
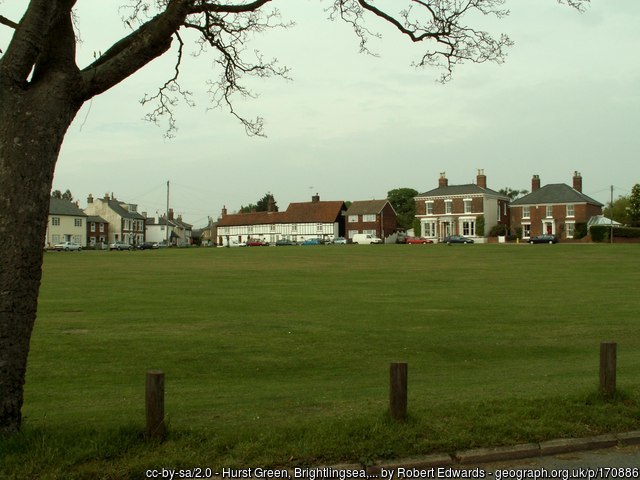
167, 217
610, 214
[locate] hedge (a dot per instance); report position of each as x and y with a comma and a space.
600, 233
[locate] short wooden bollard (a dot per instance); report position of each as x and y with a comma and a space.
154, 402
398, 391
608, 353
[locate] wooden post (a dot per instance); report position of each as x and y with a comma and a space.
398, 391
608, 368
154, 397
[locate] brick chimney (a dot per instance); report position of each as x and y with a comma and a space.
315, 198
481, 179
171, 214
577, 181
271, 204
535, 183
224, 211
90, 199
442, 181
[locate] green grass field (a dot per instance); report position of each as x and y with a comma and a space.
280, 356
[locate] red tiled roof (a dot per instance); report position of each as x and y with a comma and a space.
303, 212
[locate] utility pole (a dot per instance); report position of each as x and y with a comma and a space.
611, 219
167, 217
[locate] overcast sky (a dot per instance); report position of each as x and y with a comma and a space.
351, 127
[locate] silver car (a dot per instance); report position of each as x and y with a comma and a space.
67, 246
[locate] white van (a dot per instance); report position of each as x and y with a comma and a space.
365, 238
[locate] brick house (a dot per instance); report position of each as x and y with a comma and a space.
97, 230
301, 221
376, 217
554, 209
458, 209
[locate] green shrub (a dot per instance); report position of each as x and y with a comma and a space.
580, 230
626, 232
498, 230
599, 233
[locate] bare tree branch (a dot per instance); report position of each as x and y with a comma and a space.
9, 23
167, 96
440, 24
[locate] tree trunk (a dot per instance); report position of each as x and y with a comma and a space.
33, 122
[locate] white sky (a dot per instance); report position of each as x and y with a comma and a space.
352, 127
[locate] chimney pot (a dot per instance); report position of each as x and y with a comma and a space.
481, 179
442, 181
577, 181
535, 183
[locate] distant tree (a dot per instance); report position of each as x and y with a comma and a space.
618, 210
511, 193
262, 205
402, 200
633, 210
67, 195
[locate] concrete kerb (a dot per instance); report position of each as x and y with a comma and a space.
516, 452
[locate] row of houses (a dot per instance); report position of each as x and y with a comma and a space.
471, 210
108, 220
553, 209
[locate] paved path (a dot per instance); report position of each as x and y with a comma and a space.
613, 463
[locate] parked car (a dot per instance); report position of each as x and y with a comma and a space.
283, 242
67, 246
148, 246
340, 241
257, 243
544, 239
457, 239
120, 246
417, 240
312, 241
365, 238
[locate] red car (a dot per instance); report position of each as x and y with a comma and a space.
256, 243
418, 240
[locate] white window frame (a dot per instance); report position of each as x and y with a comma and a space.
352, 219
570, 229
369, 218
526, 230
468, 227
468, 207
526, 212
549, 212
429, 209
448, 206
571, 210
55, 221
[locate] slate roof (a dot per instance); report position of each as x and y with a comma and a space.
366, 207
553, 194
123, 212
304, 212
58, 206
96, 219
452, 190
